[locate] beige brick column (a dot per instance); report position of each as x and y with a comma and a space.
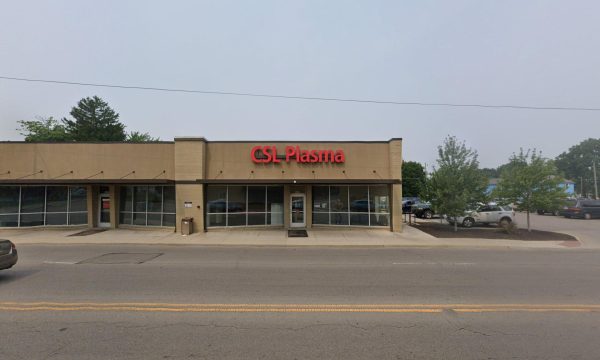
114, 206
190, 160
395, 146
92, 205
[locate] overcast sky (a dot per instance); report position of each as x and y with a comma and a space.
539, 53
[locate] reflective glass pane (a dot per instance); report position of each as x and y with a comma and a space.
236, 199
339, 218
126, 199
154, 199
339, 198
9, 220
139, 198
275, 199
32, 199
9, 200
215, 220
216, 199
359, 219
236, 219
154, 219
256, 199
359, 199
78, 199
257, 219
169, 199
125, 218
320, 218
275, 219
169, 220
320, 196
57, 198
139, 218
78, 218
56, 218
32, 219
379, 199
380, 220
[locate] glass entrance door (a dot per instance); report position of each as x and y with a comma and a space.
104, 208
297, 204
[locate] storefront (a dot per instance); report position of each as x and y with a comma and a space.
221, 184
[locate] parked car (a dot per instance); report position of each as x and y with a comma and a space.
486, 214
423, 210
8, 254
560, 210
407, 204
584, 209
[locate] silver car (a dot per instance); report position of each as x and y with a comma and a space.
486, 214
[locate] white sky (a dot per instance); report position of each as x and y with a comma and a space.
540, 53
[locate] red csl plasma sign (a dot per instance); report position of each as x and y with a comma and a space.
268, 154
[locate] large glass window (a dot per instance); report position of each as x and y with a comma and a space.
42, 205
244, 205
145, 205
357, 205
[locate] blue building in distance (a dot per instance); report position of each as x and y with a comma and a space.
568, 185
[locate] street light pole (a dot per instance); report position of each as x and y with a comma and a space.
595, 180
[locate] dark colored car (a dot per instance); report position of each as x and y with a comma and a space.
407, 204
559, 211
8, 254
584, 209
423, 210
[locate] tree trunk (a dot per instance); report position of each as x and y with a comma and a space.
528, 223
455, 225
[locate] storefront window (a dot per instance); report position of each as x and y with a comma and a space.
151, 205
244, 205
355, 205
42, 205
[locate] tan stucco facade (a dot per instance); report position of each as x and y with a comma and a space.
192, 164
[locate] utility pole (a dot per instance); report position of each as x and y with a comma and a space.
595, 180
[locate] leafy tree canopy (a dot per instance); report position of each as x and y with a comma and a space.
137, 136
92, 120
457, 183
531, 182
413, 178
43, 129
576, 163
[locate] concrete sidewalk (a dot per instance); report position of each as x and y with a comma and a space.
410, 237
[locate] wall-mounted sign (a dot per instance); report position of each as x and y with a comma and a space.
268, 154
187, 204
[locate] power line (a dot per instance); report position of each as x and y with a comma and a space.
293, 97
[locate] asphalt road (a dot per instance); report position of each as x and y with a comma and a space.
78, 302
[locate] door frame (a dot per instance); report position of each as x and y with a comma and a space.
100, 196
303, 224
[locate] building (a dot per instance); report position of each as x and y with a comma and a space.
220, 184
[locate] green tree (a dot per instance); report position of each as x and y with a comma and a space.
94, 120
137, 136
576, 164
457, 183
490, 173
43, 129
413, 178
531, 182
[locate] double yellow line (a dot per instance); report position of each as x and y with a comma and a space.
294, 308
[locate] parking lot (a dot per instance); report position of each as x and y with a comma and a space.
587, 231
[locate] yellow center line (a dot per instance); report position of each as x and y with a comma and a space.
295, 308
